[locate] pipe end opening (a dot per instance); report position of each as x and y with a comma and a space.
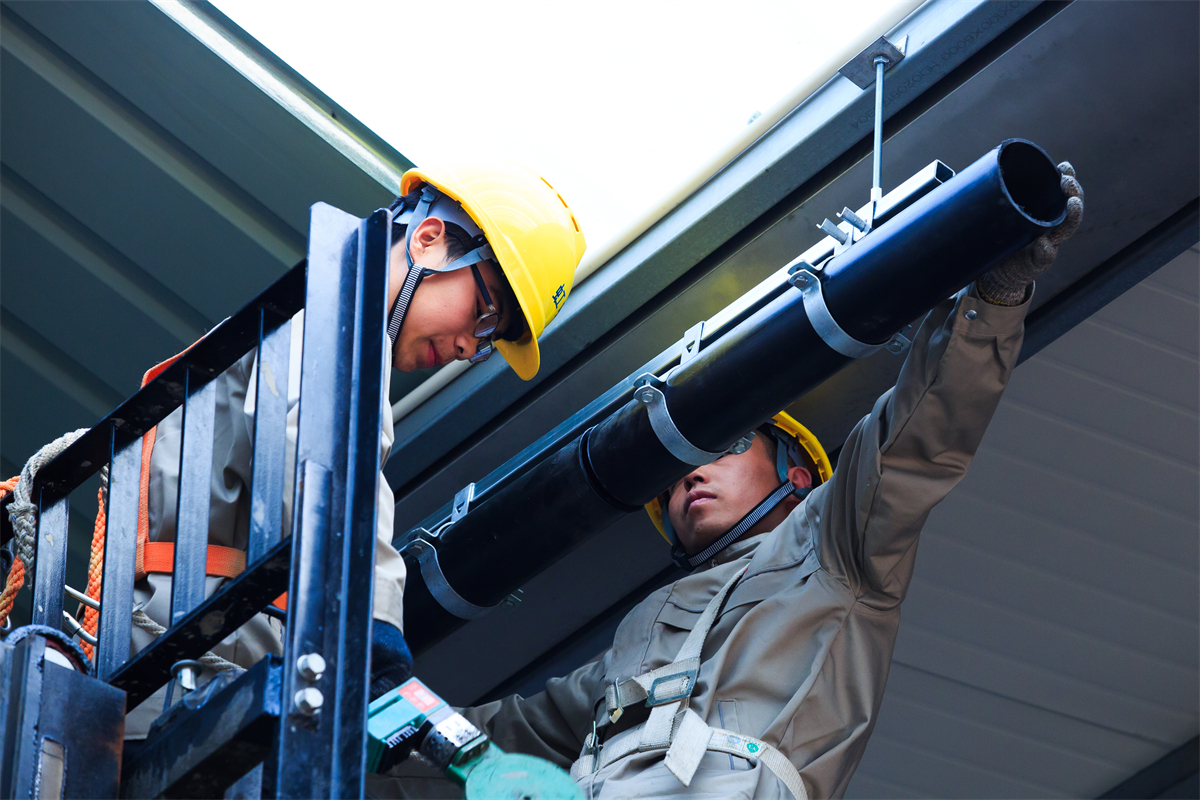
1032, 181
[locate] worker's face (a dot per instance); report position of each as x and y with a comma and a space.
440, 324
712, 499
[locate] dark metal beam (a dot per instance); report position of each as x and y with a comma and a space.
211, 738
1173, 775
1111, 279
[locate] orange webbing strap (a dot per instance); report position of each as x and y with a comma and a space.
91, 617
222, 562
143, 534
16, 575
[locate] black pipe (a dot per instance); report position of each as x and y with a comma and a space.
944, 241
890, 277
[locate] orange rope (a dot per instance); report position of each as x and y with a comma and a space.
16, 575
91, 617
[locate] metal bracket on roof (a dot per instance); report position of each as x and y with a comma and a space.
860, 70
864, 69
691, 343
462, 503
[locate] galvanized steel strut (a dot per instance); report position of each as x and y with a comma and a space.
848, 306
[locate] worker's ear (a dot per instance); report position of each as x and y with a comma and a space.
428, 233
799, 476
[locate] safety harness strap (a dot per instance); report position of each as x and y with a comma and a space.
675, 681
221, 562
672, 725
691, 738
786, 489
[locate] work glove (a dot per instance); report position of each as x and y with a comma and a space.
391, 661
1006, 283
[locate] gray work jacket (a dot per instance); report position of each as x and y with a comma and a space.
799, 655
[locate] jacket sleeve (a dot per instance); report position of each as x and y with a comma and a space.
904, 457
550, 724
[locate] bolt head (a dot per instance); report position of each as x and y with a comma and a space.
970, 313
311, 666
309, 700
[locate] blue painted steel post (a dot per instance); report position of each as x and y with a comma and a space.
120, 557
195, 488
50, 561
321, 750
270, 439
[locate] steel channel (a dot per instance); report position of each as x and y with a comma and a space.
195, 488
355, 583
329, 608
270, 435
120, 557
50, 561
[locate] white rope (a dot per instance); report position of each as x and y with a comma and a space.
210, 660
23, 512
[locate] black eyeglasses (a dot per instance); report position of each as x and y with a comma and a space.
485, 326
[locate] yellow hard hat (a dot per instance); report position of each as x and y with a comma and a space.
531, 231
785, 424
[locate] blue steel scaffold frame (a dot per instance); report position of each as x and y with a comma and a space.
325, 563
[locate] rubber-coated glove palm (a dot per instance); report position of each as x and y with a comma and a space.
1006, 283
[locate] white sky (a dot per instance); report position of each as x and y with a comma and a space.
616, 102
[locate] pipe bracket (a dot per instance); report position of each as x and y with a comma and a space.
649, 394
439, 587
823, 322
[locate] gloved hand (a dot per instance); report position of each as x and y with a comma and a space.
391, 661
1006, 283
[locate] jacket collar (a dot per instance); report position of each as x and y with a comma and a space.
743, 548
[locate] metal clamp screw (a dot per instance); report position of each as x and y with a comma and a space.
311, 666
309, 701
842, 237
898, 344
854, 219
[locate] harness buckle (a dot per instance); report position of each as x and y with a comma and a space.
669, 688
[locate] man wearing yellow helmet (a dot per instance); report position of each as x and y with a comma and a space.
781, 466
761, 672
483, 258
494, 249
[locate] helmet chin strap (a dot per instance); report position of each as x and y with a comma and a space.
449, 211
785, 490
784, 448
